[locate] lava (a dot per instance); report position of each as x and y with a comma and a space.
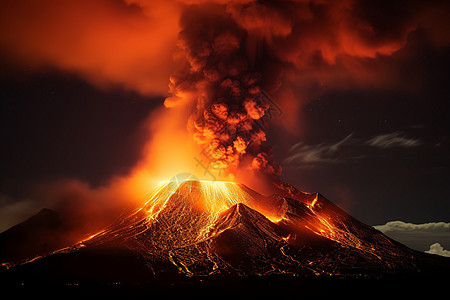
201, 202
184, 212
188, 209
189, 228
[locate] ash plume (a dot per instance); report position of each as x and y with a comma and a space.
227, 89
231, 55
230, 63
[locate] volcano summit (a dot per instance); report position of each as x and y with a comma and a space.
213, 229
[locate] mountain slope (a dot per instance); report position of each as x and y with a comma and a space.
195, 229
42, 233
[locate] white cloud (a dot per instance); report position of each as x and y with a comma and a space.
391, 140
394, 226
436, 248
417, 236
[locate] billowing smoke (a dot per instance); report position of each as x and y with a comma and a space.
230, 103
232, 66
232, 56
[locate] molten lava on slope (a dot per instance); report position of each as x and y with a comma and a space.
187, 229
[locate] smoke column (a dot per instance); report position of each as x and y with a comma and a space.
226, 67
233, 56
230, 105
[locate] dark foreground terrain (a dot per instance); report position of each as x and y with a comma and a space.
271, 286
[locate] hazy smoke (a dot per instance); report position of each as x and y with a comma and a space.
131, 42
225, 59
223, 55
230, 52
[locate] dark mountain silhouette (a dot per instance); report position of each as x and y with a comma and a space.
42, 233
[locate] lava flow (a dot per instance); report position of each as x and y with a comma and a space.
186, 209
188, 229
197, 228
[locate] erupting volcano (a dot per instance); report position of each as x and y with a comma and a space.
191, 229
224, 77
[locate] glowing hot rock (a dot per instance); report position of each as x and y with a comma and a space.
180, 212
194, 227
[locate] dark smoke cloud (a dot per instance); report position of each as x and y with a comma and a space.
132, 42
227, 56
215, 69
226, 53
232, 51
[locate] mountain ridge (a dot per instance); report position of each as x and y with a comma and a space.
181, 235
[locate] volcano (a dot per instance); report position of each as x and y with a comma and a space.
187, 231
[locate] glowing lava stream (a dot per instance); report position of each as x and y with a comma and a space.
185, 209
180, 213
217, 196
207, 198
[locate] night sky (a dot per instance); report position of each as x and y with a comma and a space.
379, 149
382, 155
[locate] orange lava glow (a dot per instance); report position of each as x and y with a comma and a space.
188, 223
208, 60
216, 66
206, 200
204, 58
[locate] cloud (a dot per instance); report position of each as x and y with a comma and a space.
392, 140
417, 236
395, 226
132, 42
309, 155
437, 249
339, 152
106, 42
